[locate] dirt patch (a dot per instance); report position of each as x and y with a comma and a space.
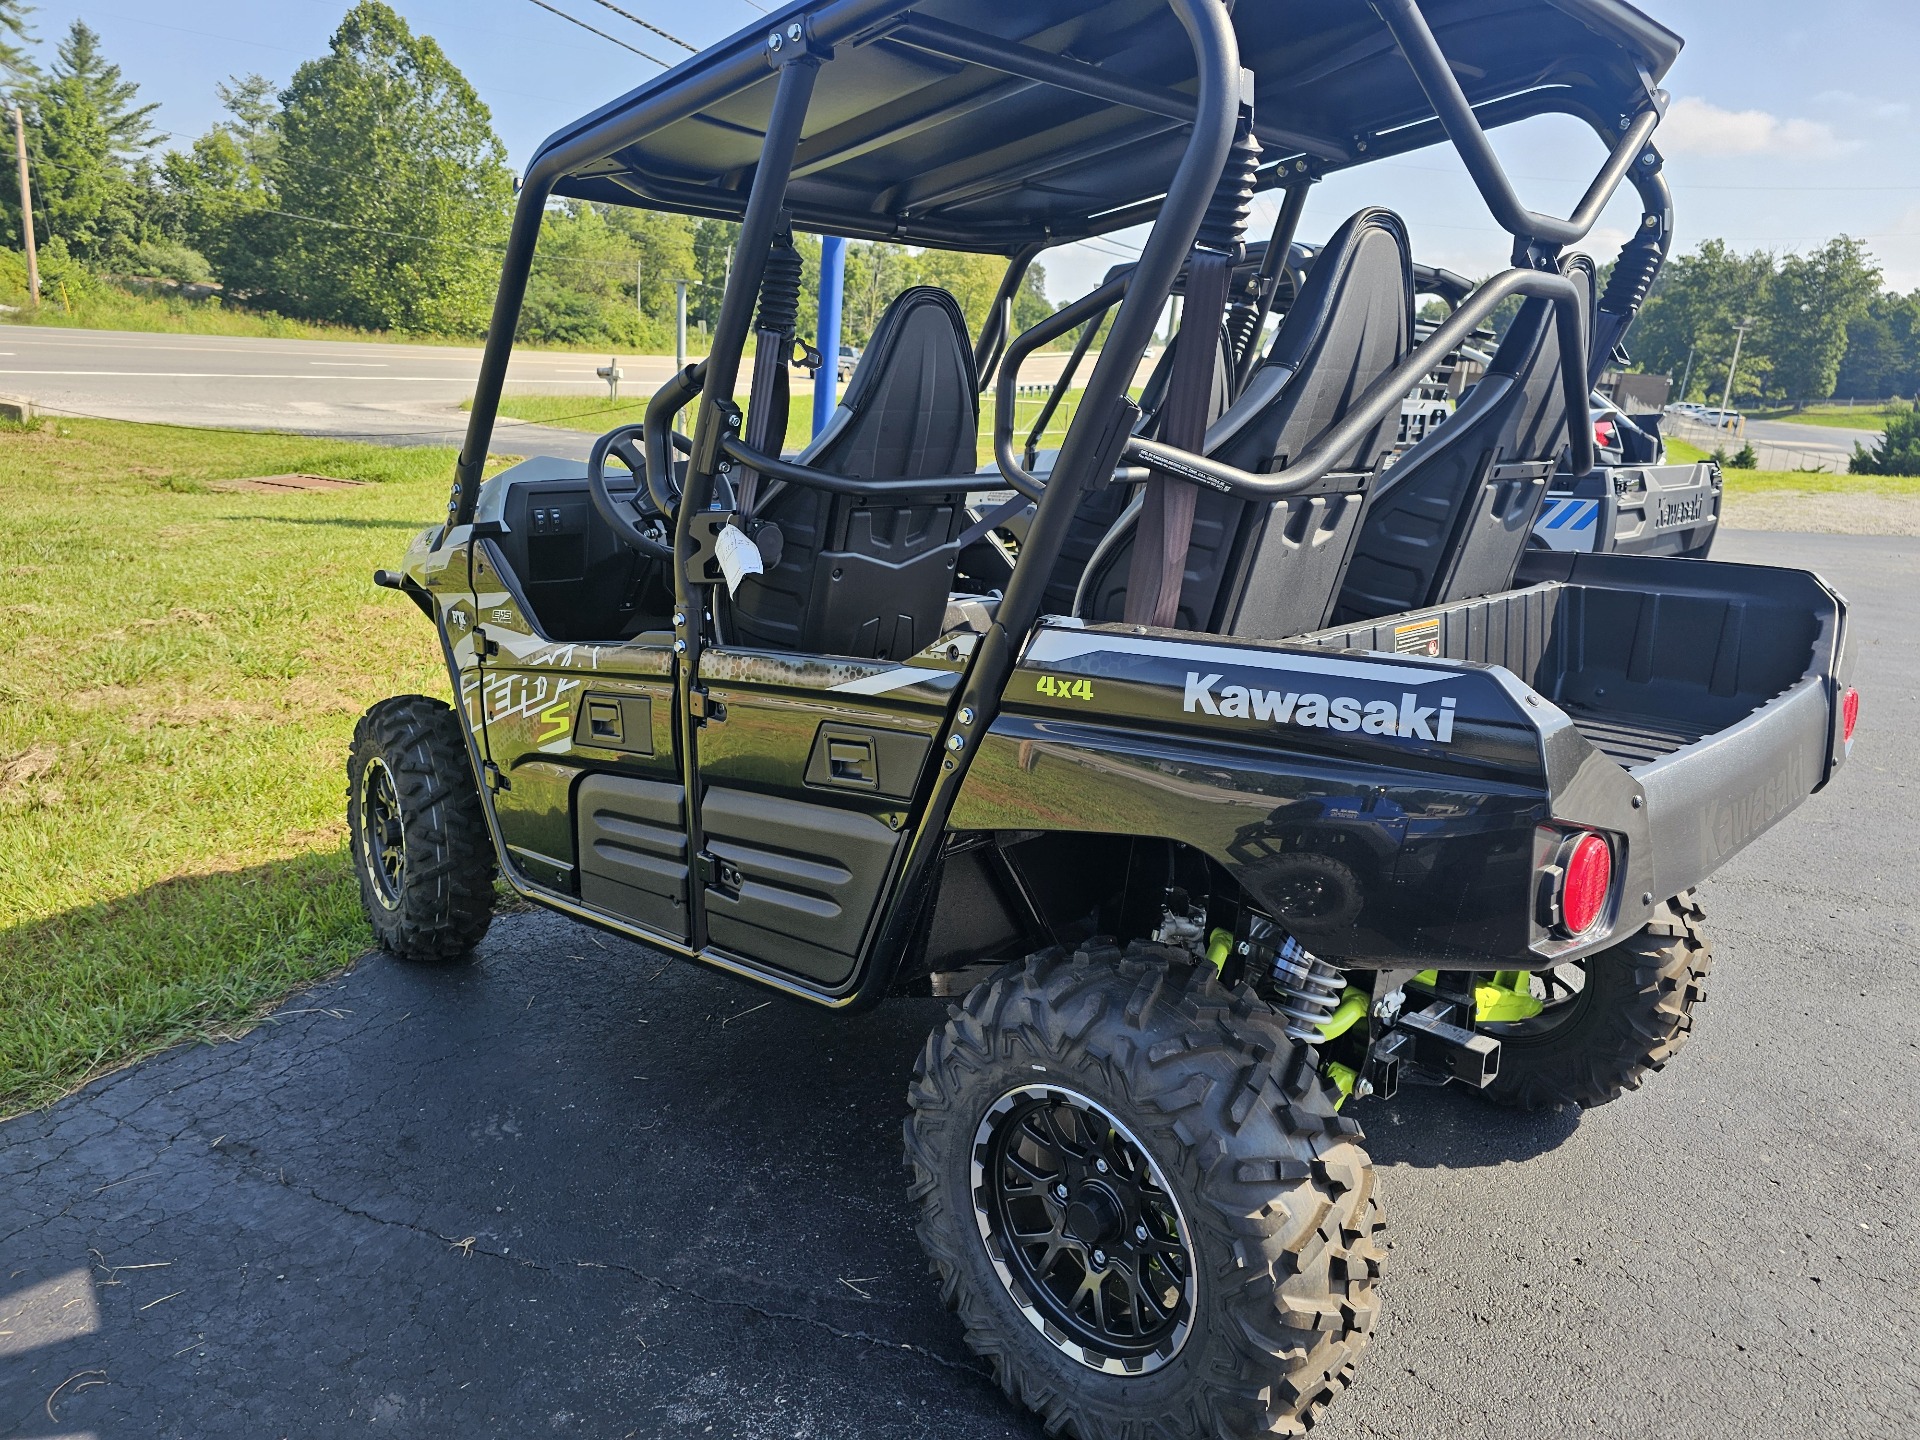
285, 484
1829, 514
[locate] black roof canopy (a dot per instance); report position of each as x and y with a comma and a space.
992, 125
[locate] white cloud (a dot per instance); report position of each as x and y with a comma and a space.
1699, 127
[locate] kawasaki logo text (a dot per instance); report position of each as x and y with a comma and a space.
1409, 719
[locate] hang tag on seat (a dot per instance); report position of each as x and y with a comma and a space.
739, 557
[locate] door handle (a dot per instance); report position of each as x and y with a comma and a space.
850, 762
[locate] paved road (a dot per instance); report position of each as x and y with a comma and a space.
576, 1189
399, 394
1781, 444
402, 394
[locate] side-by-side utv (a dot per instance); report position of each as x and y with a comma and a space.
1289, 768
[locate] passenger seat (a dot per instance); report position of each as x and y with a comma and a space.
1269, 569
869, 576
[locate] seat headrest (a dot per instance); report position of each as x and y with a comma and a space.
913, 406
1530, 353
1352, 322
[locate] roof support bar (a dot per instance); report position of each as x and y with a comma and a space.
1085, 460
1415, 39
956, 42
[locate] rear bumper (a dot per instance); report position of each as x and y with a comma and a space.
1633, 510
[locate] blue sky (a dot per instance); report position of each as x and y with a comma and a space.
1792, 121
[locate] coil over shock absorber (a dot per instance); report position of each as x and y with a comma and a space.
1224, 227
1304, 988
780, 289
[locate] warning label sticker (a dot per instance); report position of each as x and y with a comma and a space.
1420, 638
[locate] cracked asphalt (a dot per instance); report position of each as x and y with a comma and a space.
576, 1189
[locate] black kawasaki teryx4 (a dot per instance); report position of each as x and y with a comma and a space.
1293, 773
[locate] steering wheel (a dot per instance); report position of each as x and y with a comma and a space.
638, 521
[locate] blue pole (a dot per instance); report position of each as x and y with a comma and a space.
833, 280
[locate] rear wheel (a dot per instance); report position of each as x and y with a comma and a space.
1138, 1197
418, 834
1608, 1021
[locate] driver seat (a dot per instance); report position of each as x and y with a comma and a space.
869, 576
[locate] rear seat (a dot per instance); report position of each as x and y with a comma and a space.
1270, 569
1450, 520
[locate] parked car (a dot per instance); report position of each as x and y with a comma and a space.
849, 358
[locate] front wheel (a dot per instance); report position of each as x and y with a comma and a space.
418, 834
1608, 1021
1136, 1193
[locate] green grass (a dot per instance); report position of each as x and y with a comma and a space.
107, 307
1838, 417
177, 690
1774, 482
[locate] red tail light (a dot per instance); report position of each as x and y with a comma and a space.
1849, 714
1575, 881
1603, 434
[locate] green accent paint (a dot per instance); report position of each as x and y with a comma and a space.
1219, 946
1427, 977
1344, 1077
1507, 997
1350, 1012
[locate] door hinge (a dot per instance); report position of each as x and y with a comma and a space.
483, 645
704, 707
496, 781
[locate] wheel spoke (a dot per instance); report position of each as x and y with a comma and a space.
1059, 1162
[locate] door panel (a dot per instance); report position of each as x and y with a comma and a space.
633, 849
808, 767
791, 880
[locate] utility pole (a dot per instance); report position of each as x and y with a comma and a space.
26, 206
679, 326
1687, 378
1739, 334
639, 279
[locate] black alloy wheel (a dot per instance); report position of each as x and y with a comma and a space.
417, 831
383, 843
1083, 1231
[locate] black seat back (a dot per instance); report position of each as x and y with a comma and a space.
1098, 509
1270, 569
1451, 518
870, 576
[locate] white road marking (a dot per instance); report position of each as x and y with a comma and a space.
353, 364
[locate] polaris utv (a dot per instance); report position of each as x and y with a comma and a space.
1295, 776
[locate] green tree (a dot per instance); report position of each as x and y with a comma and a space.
1695, 305
254, 104
87, 144
215, 194
16, 63
393, 187
1814, 298
1898, 452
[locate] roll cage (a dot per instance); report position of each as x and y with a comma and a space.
883, 120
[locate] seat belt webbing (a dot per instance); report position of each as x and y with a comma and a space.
1159, 564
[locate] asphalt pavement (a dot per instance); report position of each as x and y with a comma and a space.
397, 394
579, 1189
1780, 444
392, 394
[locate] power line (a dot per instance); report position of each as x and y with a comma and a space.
601, 33
646, 25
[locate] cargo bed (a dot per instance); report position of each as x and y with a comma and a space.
1716, 687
